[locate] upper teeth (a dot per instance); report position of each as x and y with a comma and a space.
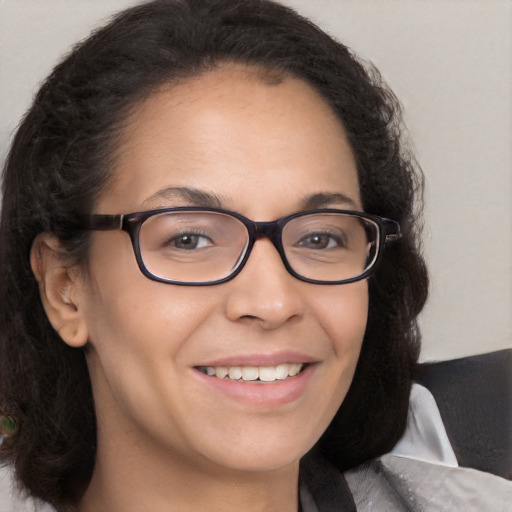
247, 373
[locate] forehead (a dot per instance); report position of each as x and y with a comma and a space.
233, 131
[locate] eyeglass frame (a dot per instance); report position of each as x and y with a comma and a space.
131, 223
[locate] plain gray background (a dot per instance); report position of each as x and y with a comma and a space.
449, 61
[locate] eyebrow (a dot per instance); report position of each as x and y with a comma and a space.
192, 196
325, 199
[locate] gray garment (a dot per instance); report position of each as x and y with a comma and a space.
396, 484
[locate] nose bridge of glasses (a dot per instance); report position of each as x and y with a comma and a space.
265, 229
270, 230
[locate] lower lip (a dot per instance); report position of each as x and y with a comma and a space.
261, 394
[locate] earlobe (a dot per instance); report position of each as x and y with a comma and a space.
60, 285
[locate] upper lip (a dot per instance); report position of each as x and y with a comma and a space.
264, 359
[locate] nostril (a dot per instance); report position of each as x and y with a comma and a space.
250, 317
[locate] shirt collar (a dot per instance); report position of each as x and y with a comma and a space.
323, 487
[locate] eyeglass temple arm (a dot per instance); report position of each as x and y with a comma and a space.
102, 222
391, 230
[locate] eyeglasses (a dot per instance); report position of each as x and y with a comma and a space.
204, 246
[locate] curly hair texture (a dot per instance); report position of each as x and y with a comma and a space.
61, 159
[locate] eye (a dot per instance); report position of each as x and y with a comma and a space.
320, 241
190, 241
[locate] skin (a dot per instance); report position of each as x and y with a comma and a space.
163, 433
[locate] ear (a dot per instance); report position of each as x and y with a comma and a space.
60, 287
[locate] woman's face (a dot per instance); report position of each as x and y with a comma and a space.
265, 151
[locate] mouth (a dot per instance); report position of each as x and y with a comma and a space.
259, 381
280, 372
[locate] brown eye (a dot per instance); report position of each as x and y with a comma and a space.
189, 241
320, 241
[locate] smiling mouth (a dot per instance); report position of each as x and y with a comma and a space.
254, 373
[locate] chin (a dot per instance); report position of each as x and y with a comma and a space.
259, 463
262, 453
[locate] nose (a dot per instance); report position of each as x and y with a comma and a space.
264, 293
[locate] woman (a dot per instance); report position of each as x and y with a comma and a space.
210, 270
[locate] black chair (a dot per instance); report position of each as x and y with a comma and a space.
474, 396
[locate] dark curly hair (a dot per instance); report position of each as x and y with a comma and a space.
61, 158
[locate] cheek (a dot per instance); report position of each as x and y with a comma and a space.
343, 313
122, 306
147, 317
136, 326
139, 337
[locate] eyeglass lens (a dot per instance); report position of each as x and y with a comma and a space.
209, 246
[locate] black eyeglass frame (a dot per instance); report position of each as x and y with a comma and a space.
388, 231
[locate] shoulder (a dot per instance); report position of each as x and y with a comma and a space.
397, 483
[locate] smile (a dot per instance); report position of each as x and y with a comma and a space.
253, 373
